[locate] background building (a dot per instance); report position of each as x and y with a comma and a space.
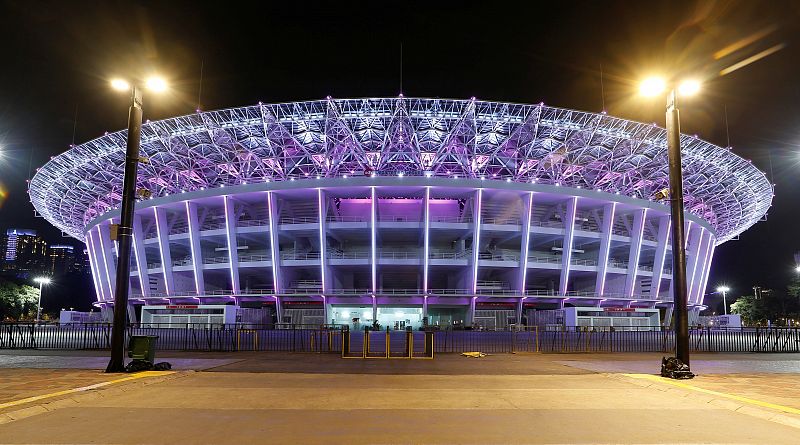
25, 250
401, 211
62, 259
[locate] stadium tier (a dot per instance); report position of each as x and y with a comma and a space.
387, 209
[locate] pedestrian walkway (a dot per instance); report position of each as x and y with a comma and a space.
525, 398
16, 384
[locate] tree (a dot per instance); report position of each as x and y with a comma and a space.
17, 301
775, 306
752, 309
794, 287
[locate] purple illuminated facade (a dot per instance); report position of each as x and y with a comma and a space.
450, 211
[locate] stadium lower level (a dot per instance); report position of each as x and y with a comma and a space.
401, 251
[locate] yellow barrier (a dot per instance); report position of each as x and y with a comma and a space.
248, 331
365, 349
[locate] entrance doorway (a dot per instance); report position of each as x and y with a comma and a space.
394, 318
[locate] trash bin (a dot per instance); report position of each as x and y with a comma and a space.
143, 347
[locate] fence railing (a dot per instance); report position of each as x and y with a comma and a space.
327, 338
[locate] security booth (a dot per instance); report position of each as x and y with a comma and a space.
77, 317
494, 316
612, 318
302, 313
184, 315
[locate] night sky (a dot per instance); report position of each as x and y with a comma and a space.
57, 58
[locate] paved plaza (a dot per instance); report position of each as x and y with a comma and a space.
319, 398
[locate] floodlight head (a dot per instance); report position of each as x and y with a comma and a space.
723, 289
156, 84
652, 86
689, 87
42, 280
120, 85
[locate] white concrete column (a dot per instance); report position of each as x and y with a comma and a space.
606, 231
707, 271
104, 242
278, 309
519, 310
635, 251
688, 225
695, 252
668, 316
194, 244
102, 266
476, 239
98, 286
471, 312
526, 241
274, 246
233, 248
162, 232
661, 255
373, 229
696, 291
566, 252
132, 314
424, 305
322, 207
137, 243
426, 247
374, 309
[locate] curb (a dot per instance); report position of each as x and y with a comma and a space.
85, 395
771, 415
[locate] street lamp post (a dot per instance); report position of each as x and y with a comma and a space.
125, 228
652, 87
42, 281
724, 291
680, 300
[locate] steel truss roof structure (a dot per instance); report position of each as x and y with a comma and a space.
409, 136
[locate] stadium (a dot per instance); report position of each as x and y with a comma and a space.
400, 211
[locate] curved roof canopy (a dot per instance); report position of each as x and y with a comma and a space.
387, 136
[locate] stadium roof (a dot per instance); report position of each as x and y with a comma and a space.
412, 136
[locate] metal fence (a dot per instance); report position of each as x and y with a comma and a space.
328, 338
533, 339
294, 338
